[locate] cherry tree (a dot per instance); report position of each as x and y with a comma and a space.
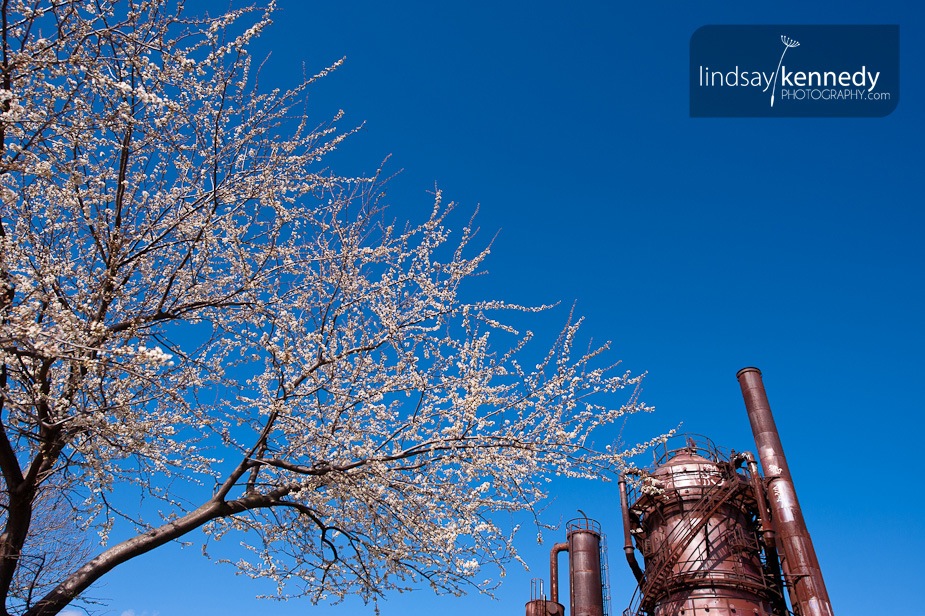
194, 308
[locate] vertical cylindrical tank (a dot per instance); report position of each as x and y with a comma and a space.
585, 584
808, 594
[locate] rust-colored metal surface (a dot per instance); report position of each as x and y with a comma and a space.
542, 607
554, 570
694, 518
716, 538
808, 594
766, 528
584, 553
538, 605
628, 548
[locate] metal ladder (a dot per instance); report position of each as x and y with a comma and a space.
605, 576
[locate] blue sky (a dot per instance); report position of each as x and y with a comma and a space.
698, 246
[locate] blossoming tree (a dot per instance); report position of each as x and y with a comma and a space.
192, 306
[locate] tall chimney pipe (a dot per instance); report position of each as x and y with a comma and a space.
808, 594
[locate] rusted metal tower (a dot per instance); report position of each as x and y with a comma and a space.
716, 538
586, 578
695, 519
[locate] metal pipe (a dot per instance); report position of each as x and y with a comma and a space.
767, 529
554, 570
628, 548
808, 594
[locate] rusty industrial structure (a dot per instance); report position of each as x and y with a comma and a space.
587, 579
717, 537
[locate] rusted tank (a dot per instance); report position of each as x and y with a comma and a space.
584, 552
695, 520
543, 607
586, 583
539, 605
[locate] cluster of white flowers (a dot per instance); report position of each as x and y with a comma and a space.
186, 300
155, 356
652, 486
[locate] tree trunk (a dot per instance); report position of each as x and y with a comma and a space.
19, 517
80, 580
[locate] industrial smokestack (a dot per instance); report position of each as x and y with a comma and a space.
808, 594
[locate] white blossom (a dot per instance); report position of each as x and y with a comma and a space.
191, 304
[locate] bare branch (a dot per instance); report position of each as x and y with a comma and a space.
193, 309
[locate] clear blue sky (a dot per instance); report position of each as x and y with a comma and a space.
698, 246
